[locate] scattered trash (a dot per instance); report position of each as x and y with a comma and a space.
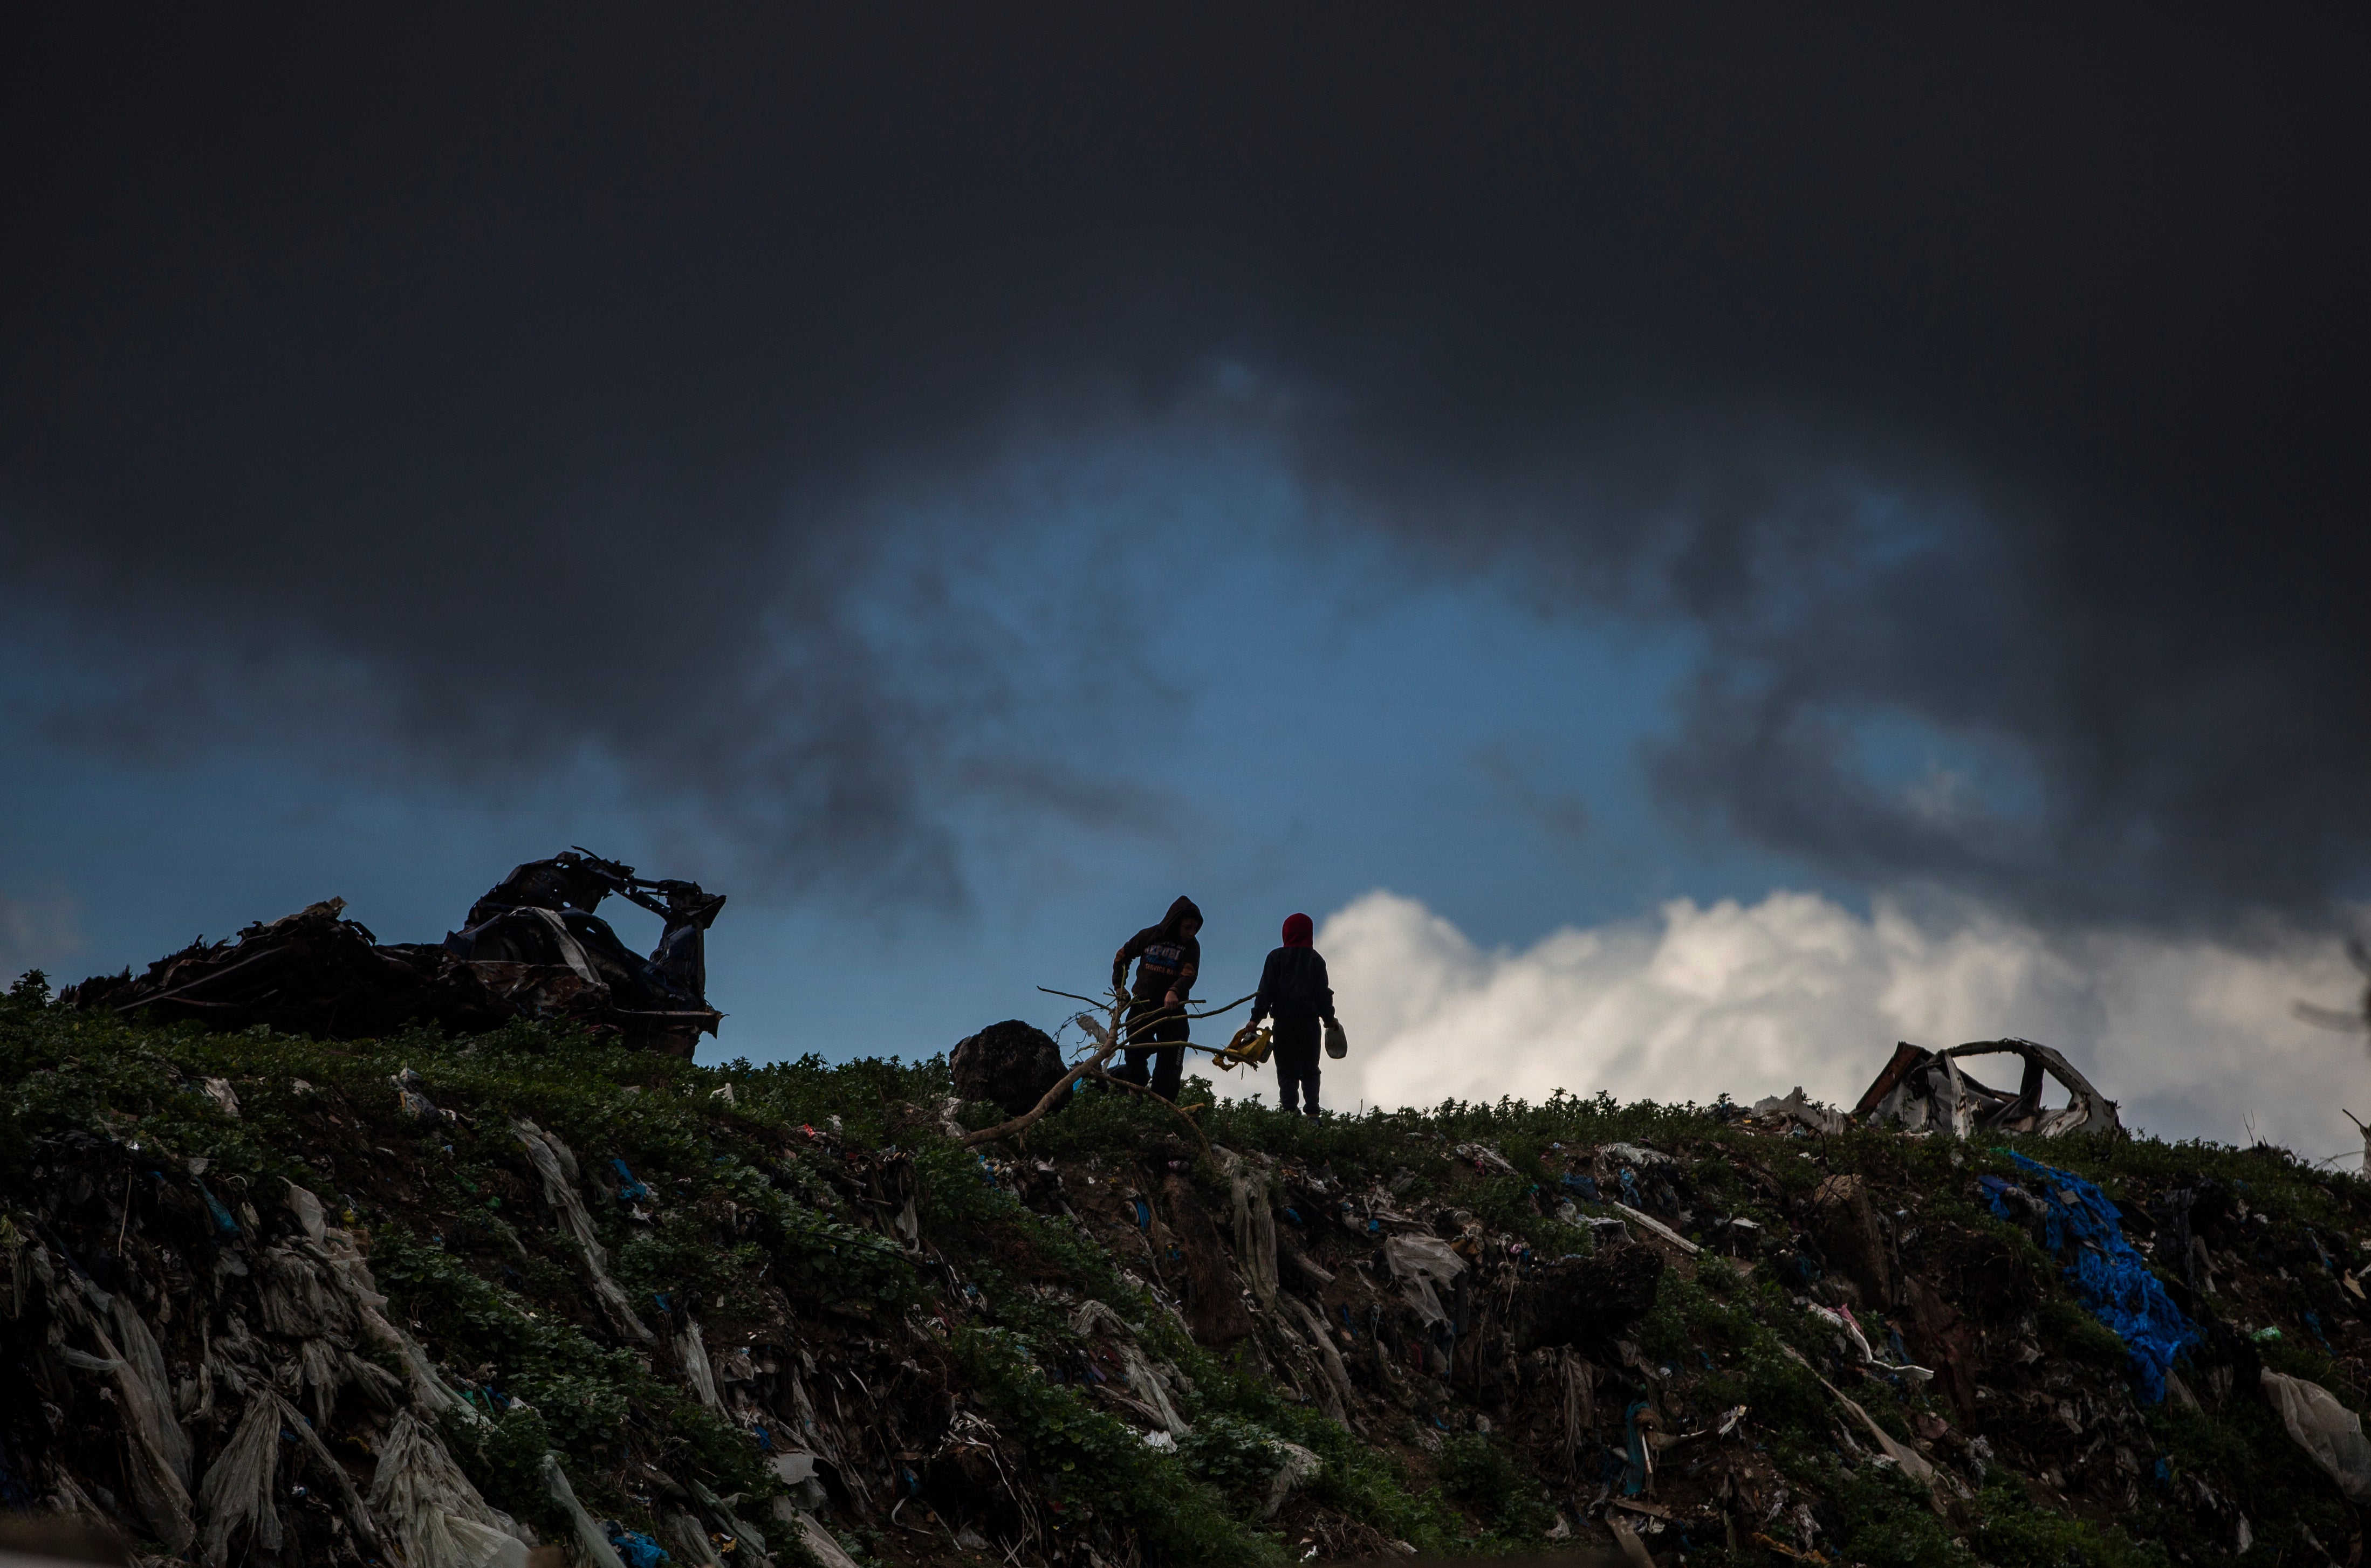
1796, 1108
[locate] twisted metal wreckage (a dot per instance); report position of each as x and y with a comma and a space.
532, 947
1922, 1088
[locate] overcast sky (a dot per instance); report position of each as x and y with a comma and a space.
1807, 509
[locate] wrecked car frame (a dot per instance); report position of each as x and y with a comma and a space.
1922, 1089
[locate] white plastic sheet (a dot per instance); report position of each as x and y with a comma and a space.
590, 1539
691, 1349
1143, 1380
1417, 1262
438, 1518
556, 1163
238, 1489
2331, 1434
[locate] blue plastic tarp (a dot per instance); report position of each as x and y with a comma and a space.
2110, 1274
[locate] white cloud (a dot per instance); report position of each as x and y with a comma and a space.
2193, 1037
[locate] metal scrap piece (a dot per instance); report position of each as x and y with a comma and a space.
1927, 1090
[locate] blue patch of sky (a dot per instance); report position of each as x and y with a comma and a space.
1295, 721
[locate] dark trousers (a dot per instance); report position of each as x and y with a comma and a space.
1295, 1049
1150, 1020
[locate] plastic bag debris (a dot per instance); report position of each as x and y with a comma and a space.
1143, 1381
591, 1538
437, 1517
557, 1165
145, 1363
1485, 1158
1299, 1466
1341, 1403
156, 1456
1417, 1261
350, 1275
630, 1189
691, 1349
721, 1515
2110, 1273
638, 1549
411, 1100
241, 1488
820, 1542
796, 1471
220, 1092
2331, 1434
686, 1538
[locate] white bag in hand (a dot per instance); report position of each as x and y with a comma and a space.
1338, 1044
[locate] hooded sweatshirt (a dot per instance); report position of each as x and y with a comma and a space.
1293, 983
1167, 959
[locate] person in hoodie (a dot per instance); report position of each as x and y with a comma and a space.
1166, 957
1295, 991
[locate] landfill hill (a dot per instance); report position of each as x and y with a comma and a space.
416, 1301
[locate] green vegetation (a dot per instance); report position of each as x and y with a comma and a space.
773, 1212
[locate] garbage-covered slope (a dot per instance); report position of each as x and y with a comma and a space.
416, 1301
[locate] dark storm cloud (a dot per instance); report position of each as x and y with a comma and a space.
543, 372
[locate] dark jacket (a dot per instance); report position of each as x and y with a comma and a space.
1293, 984
1166, 959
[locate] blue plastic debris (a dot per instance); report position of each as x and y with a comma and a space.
630, 1190
224, 1223
1143, 1215
764, 1438
1634, 1473
2313, 1321
2110, 1274
1630, 1186
638, 1549
1584, 1186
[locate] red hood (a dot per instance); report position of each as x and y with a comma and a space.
1299, 931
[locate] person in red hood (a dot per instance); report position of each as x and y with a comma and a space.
1295, 990
1167, 958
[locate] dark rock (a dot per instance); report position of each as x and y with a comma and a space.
1588, 1303
1012, 1064
1849, 1234
1214, 1304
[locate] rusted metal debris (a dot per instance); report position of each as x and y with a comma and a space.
531, 947
1929, 1090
